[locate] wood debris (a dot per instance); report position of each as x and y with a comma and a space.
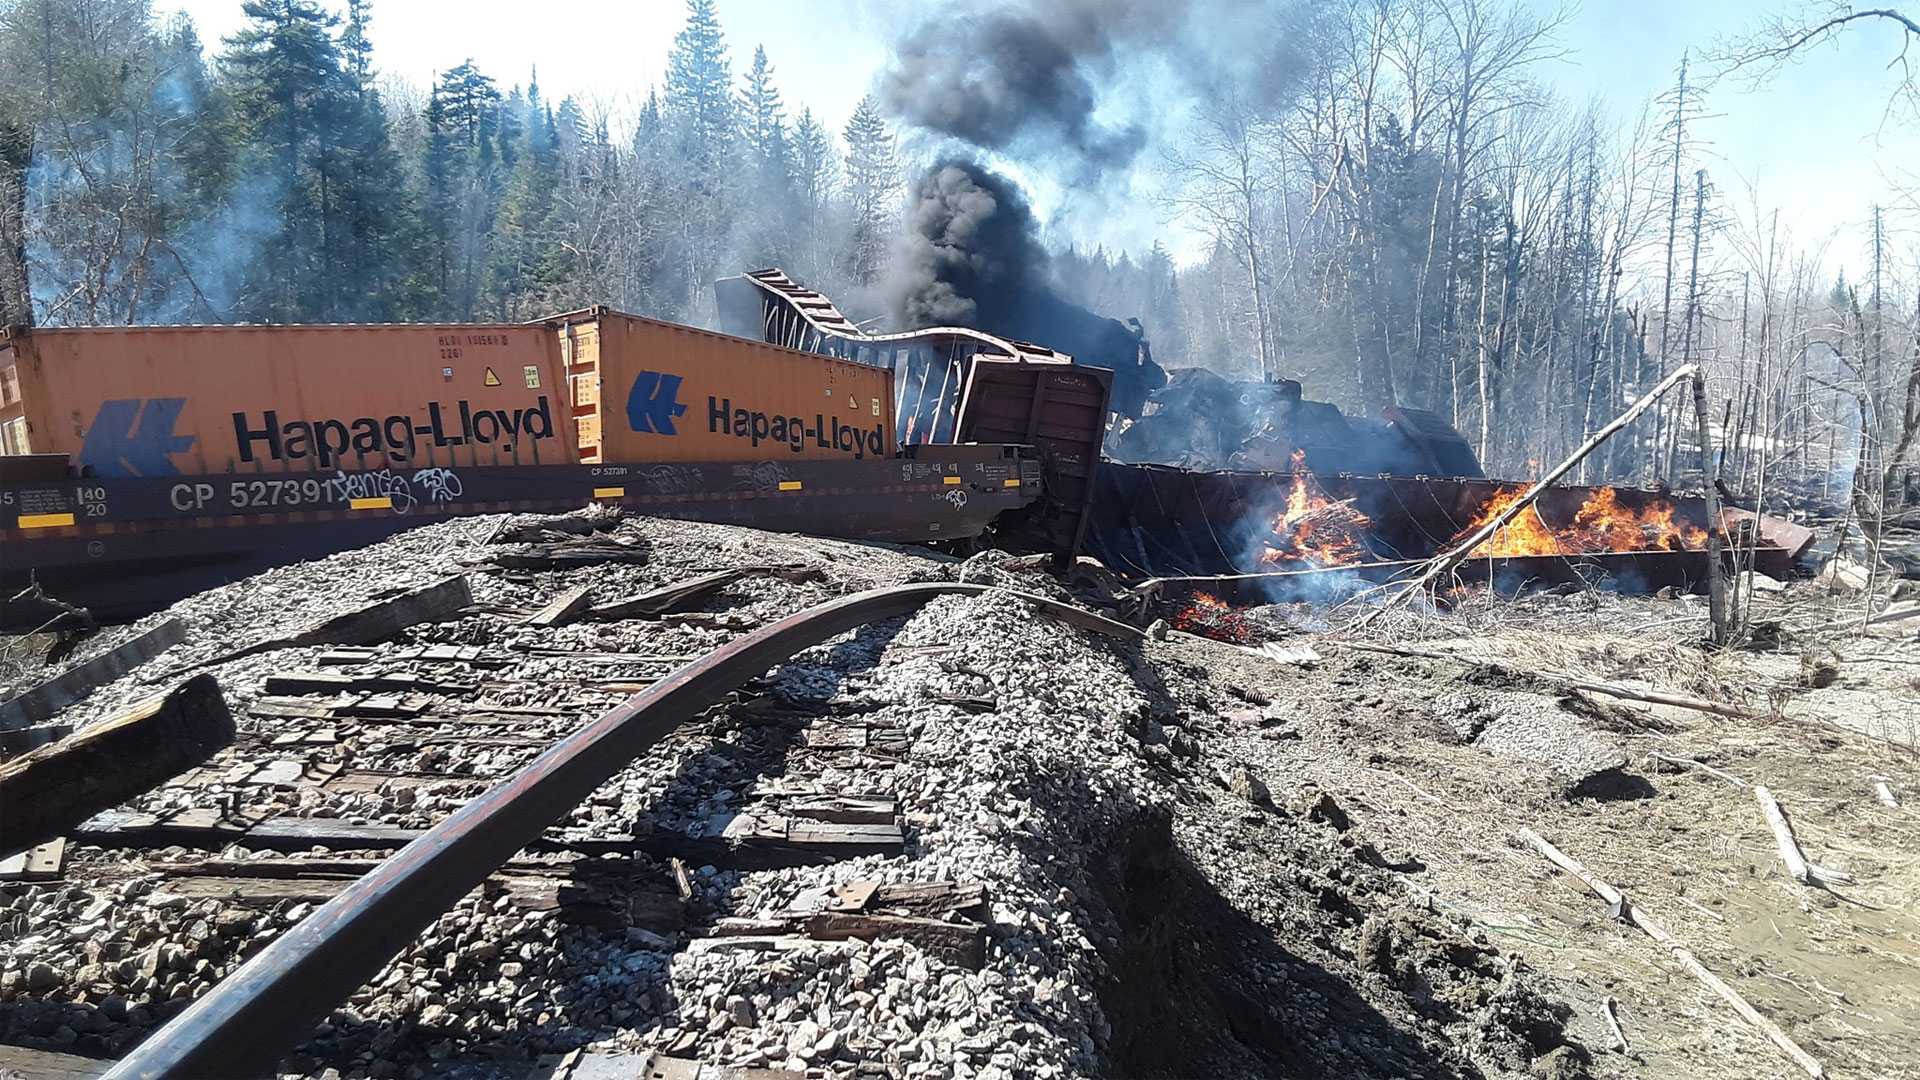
49, 790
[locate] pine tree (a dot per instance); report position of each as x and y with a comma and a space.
873, 184
284, 76
770, 204
699, 97
699, 112
375, 268
355, 47
465, 182
815, 166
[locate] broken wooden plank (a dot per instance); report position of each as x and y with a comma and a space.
568, 556
329, 682
49, 790
43, 701
927, 899
375, 621
667, 598
20, 740
847, 809
191, 828
565, 608
964, 944
1783, 836
256, 891
282, 708
582, 1065
47, 1065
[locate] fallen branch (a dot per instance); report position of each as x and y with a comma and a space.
1702, 766
1618, 901
1790, 852
1442, 564
1798, 866
1852, 621
1629, 693
1607, 1009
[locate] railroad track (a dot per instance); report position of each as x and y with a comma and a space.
379, 698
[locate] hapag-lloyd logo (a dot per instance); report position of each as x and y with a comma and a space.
134, 437
653, 404
398, 436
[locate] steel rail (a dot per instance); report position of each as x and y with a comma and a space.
245, 1024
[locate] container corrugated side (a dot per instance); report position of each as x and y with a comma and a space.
152, 401
653, 391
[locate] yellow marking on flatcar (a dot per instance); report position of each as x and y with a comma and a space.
384, 502
44, 521
789, 485
610, 493
951, 481
1011, 481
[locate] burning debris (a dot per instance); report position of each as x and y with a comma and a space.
1315, 530
1211, 617
1601, 524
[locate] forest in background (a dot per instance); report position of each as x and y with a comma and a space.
1408, 217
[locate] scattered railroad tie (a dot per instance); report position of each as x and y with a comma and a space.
473, 655
54, 788
378, 620
248, 1018
1625, 910
323, 682
581, 1065
757, 840
945, 918
43, 701
567, 555
609, 894
1559, 678
669, 598
47, 1065
563, 609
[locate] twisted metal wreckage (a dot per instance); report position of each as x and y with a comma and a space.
989, 434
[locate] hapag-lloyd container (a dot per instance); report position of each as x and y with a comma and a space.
642, 390
171, 400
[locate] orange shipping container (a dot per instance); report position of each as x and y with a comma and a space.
168, 400
643, 390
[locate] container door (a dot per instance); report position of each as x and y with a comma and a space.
580, 352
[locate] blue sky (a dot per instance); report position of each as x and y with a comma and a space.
1813, 139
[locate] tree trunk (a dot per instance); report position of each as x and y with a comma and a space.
16, 290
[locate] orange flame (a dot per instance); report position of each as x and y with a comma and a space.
1210, 616
1307, 535
1601, 524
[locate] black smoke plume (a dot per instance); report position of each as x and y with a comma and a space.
1000, 76
971, 250
972, 256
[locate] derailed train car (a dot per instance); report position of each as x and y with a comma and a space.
150, 454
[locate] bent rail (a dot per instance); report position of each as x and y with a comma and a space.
246, 1023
